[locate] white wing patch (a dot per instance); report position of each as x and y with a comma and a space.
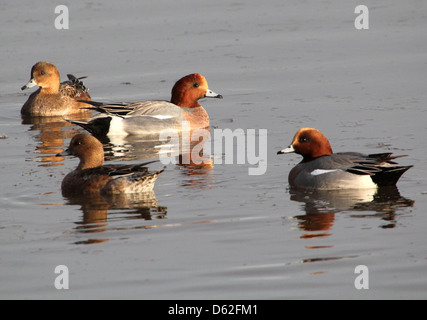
162, 117
318, 172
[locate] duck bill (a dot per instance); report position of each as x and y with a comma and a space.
289, 149
211, 94
30, 84
64, 153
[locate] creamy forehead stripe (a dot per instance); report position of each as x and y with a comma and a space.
321, 171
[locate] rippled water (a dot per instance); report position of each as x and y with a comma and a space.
212, 231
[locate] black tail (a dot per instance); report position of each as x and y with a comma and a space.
98, 127
381, 168
389, 175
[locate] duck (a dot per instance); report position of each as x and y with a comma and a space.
92, 176
151, 117
322, 169
53, 98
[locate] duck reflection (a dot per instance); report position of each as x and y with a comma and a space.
52, 133
195, 164
320, 206
183, 149
99, 211
198, 175
134, 147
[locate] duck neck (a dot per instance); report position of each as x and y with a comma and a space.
323, 150
93, 161
184, 101
198, 117
51, 89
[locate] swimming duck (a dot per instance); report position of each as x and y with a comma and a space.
93, 176
53, 98
151, 117
323, 169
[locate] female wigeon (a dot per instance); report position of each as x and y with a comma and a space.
53, 98
93, 177
151, 117
323, 169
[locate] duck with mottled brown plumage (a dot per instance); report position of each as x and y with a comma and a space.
53, 98
92, 176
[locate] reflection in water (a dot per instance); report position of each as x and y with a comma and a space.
133, 148
99, 211
185, 152
53, 132
320, 207
198, 175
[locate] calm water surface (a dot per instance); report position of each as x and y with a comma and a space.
212, 231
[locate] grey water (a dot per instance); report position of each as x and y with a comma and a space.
213, 231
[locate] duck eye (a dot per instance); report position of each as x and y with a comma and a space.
304, 139
42, 73
196, 85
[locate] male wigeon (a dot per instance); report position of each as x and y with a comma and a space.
323, 169
151, 117
93, 177
53, 98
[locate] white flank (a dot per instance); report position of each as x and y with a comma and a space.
346, 180
365, 182
117, 127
